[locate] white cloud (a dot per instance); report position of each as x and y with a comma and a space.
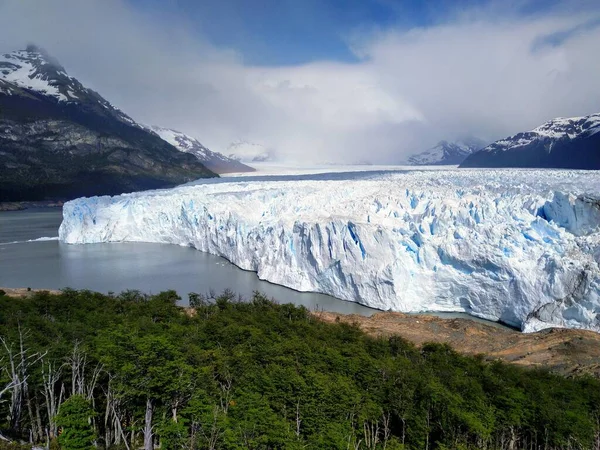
480, 74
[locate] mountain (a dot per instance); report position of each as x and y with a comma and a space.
61, 140
568, 143
248, 152
214, 161
447, 153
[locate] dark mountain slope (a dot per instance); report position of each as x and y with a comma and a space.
567, 143
60, 140
215, 161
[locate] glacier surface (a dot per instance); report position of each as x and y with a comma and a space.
518, 246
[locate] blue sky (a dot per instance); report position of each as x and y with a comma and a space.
283, 32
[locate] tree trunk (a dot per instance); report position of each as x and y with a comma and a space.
298, 420
108, 438
119, 428
35, 434
148, 445
51, 377
38, 418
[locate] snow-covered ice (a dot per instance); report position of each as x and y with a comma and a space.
519, 246
283, 168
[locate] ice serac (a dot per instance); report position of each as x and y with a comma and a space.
517, 246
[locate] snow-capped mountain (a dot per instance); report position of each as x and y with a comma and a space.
447, 153
35, 70
215, 161
570, 143
519, 246
61, 140
248, 152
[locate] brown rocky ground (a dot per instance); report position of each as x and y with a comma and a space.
565, 351
25, 292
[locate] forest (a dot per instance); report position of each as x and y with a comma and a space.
81, 369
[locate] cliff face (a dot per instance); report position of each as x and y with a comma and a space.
60, 140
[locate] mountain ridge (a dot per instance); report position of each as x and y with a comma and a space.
566, 143
217, 162
446, 152
60, 140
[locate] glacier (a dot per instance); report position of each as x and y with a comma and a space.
517, 246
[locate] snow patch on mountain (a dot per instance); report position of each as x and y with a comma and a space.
447, 153
33, 69
555, 129
213, 160
184, 143
519, 246
6, 87
23, 69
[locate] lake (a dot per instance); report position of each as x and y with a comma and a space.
32, 256
116, 267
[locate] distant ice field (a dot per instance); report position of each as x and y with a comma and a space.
517, 246
290, 168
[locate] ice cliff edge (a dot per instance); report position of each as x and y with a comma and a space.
517, 246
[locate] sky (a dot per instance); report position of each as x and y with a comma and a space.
337, 81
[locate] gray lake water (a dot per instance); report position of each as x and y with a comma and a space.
150, 268
116, 267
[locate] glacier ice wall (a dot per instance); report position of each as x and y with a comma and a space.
519, 246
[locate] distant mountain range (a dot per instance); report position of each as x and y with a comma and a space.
569, 143
61, 140
216, 162
447, 153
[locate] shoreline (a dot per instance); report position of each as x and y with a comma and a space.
20, 206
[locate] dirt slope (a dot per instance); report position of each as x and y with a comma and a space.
564, 351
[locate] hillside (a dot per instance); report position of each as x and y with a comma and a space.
61, 140
562, 143
568, 352
214, 161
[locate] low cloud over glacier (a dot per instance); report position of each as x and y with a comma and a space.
486, 71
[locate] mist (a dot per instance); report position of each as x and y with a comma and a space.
481, 73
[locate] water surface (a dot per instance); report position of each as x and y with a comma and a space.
115, 267
27, 261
